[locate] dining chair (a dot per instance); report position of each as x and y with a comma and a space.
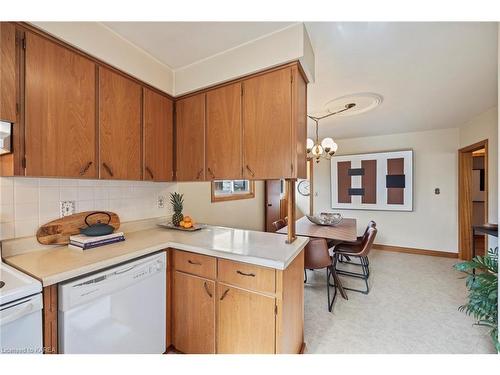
278, 224
359, 239
359, 251
316, 256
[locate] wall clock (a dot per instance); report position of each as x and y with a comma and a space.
304, 188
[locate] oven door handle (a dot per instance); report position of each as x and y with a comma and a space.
28, 308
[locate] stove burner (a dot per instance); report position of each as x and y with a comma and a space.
1, 284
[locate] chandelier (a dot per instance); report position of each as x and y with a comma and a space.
327, 147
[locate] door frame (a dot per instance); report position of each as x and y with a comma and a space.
465, 196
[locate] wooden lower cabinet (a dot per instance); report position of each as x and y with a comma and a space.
246, 322
193, 314
239, 309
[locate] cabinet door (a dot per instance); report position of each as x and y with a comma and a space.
193, 314
246, 322
190, 138
119, 126
224, 133
60, 96
158, 137
7, 72
267, 124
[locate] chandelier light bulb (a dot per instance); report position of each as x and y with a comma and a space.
317, 150
309, 145
327, 144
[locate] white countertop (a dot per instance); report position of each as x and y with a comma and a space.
56, 264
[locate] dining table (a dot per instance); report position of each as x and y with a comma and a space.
345, 231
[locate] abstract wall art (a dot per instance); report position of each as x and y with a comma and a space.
377, 181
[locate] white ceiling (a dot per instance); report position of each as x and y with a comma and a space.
431, 75
178, 44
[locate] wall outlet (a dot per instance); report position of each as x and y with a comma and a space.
66, 208
161, 201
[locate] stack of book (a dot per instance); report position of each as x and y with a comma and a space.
83, 242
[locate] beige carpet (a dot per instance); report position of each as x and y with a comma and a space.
411, 308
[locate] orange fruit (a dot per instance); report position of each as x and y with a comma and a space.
187, 219
188, 225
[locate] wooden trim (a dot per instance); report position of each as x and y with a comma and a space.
232, 197
244, 78
465, 240
411, 250
49, 319
170, 277
290, 193
25, 26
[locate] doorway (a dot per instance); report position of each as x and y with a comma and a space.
472, 197
276, 198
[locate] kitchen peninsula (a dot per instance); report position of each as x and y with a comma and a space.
252, 278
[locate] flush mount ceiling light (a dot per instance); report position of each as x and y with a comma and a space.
347, 105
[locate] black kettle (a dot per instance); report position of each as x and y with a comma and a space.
97, 229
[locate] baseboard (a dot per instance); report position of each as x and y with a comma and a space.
411, 250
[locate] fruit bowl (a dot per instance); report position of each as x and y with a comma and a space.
326, 218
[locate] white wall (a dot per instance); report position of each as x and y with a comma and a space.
289, 44
103, 43
433, 223
27, 203
244, 213
485, 126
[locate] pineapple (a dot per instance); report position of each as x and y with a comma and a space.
177, 201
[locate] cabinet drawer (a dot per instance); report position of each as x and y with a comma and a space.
196, 264
247, 276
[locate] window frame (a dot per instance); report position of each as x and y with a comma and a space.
233, 196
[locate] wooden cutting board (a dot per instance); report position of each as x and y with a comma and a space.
57, 232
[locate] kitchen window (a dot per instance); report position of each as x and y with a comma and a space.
226, 190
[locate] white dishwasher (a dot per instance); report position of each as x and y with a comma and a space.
119, 310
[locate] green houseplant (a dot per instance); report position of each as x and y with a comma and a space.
483, 291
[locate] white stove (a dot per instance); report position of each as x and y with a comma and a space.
20, 312
15, 284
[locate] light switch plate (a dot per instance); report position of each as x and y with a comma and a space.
67, 208
161, 201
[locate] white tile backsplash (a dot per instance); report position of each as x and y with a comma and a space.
27, 203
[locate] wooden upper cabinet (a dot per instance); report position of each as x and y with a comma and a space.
246, 322
267, 125
193, 314
299, 123
158, 137
60, 123
120, 102
224, 156
7, 72
190, 138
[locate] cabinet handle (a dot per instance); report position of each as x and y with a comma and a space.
194, 263
250, 170
206, 289
245, 274
212, 173
224, 294
199, 174
150, 173
108, 169
85, 169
